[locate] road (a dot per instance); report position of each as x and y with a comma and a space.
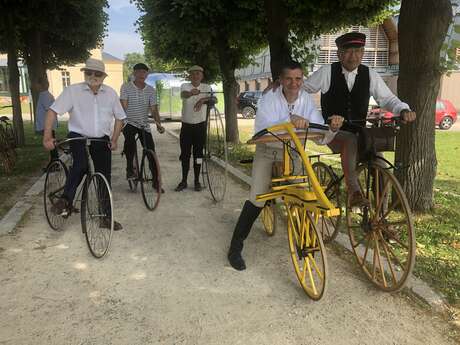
166, 281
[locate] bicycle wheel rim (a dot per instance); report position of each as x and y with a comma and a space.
268, 218
216, 156
56, 177
382, 235
97, 205
150, 180
328, 226
307, 250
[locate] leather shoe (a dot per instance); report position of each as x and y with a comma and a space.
181, 186
236, 261
198, 187
105, 224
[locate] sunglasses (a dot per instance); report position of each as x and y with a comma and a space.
96, 73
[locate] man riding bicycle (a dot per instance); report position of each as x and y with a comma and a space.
287, 103
137, 99
346, 87
92, 107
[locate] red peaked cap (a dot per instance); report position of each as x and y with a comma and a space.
351, 39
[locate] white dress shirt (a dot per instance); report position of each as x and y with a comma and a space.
90, 114
321, 81
274, 109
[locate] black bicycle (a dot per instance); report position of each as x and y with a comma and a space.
96, 207
147, 174
381, 233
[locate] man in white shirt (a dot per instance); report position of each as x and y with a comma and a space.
288, 103
193, 130
92, 108
346, 87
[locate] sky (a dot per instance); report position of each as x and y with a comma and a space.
121, 32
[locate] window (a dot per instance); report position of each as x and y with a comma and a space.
65, 76
257, 84
375, 51
439, 105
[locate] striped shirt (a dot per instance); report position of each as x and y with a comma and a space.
139, 103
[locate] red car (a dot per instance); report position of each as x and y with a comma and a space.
446, 115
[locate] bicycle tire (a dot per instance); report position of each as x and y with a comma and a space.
55, 179
96, 208
269, 217
134, 182
216, 152
307, 250
329, 226
150, 180
384, 229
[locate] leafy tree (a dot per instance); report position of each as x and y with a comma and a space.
219, 35
130, 60
420, 70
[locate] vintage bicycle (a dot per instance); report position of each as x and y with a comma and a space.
381, 234
215, 160
147, 174
96, 204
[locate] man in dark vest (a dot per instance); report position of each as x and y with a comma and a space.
346, 87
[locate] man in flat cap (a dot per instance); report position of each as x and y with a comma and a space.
193, 130
346, 87
138, 99
92, 108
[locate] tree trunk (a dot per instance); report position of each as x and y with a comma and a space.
277, 35
230, 87
13, 79
418, 85
34, 62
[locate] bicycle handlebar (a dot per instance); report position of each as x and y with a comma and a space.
311, 125
60, 143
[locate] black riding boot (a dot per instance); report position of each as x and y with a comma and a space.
196, 171
248, 215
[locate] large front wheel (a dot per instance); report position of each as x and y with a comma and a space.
97, 214
215, 155
150, 177
308, 253
382, 234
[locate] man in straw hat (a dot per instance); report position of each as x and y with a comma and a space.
193, 130
92, 108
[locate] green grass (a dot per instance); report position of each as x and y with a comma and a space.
8, 111
437, 232
173, 103
30, 160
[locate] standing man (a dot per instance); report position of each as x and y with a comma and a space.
346, 87
92, 108
138, 99
287, 103
193, 130
45, 99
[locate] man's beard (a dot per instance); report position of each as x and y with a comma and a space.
93, 81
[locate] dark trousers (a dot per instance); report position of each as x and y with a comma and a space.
102, 160
192, 139
129, 148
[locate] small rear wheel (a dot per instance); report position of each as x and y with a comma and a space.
56, 177
328, 226
248, 112
150, 178
97, 214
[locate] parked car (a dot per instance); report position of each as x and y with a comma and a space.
445, 116
247, 103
